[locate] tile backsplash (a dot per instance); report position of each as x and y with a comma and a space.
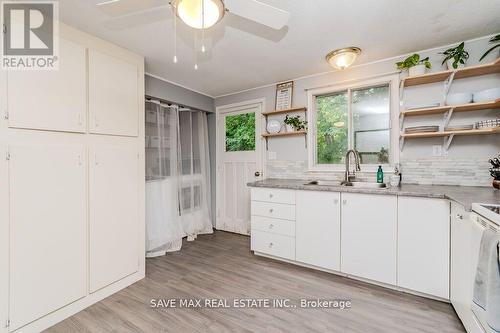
464, 172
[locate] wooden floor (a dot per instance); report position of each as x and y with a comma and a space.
222, 266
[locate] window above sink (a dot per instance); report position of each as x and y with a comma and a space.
360, 115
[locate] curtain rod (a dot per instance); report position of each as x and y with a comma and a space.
353, 80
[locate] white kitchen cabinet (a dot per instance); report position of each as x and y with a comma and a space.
113, 95
4, 238
114, 214
52, 99
462, 274
47, 229
368, 234
317, 238
423, 245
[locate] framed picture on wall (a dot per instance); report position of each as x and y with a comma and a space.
284, 95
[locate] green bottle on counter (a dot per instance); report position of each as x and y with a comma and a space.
380, 175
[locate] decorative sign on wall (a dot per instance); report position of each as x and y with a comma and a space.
284, 94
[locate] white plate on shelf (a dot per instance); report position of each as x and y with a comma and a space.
273, 127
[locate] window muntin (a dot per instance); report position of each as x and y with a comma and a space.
354, 118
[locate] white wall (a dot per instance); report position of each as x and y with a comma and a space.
479, 147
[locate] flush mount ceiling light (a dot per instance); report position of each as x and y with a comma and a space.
199, 14
343, 58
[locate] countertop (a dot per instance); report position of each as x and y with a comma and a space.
464, 195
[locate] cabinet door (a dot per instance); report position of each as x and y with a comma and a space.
462, 279
114, 214
4, 238
47, 230
368, 237
51, 100
423, 245
113, 99
318, 229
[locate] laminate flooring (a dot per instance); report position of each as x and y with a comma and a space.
221, 266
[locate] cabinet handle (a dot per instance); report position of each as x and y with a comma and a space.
460, 217
96, 121
271, 210
271, 244
344, 202
271, 226
80, 119
271, 196
336, 201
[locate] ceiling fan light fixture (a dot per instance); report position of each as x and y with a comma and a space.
343, 58
199, 14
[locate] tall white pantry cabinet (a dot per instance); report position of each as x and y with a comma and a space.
71, 182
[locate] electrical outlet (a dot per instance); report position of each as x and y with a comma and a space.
271, 155
437, 150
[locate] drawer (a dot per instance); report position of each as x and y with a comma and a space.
273, 210
276, 226
273, 244
273, 195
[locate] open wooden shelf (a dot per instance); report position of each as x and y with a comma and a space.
270, 113
492, 130
268, 135
461, 73
456, 108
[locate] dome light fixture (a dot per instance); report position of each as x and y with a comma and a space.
199, 14
343, 58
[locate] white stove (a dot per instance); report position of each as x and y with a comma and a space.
488, 211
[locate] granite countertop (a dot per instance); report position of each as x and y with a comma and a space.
464, 195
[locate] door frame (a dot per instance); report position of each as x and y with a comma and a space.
260, 103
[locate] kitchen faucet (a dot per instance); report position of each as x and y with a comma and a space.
350, 176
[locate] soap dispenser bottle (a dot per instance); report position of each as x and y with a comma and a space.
380, 175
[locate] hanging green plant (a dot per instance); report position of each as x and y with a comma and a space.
295, 122
412, 61
494, 40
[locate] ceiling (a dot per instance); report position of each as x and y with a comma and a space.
242, 54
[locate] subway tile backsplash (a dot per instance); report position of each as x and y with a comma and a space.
464, 172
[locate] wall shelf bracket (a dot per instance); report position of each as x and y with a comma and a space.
401, 121
401, 143
447, 117
447, 141
447, 85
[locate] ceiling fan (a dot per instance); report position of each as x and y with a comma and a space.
203, 14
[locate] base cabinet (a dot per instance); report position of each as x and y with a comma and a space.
423, 245
318, 229
114, 214
47, 230
369, 231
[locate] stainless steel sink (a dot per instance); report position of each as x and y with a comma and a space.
365, 185
323, 183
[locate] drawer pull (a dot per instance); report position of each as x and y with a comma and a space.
271, 245
344, 202
336, 201
271, 210
460, 217
271, 226
271, 195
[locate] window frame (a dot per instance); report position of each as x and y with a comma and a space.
393, 81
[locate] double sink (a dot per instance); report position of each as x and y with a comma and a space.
357, 184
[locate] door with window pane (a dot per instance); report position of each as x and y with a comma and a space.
239, 163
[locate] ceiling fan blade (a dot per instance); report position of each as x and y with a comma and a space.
116, 8
259, 12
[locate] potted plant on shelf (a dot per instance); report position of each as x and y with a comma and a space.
294, 123
455, 57
414, 65
494, 40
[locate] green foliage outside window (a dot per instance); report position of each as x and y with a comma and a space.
332, 126
240, 132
